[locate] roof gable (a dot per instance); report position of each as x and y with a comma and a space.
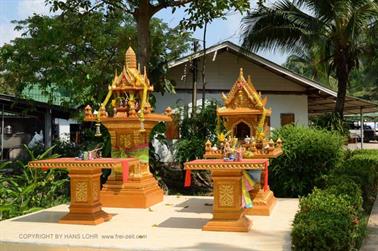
243, 99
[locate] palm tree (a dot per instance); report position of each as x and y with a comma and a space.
341, 25
310, 64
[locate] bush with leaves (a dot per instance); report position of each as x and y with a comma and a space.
28, 190
325, 222
362, 167
195, 131
352, 186
308, 153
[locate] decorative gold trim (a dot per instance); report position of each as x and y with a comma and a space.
226, 195
223, 165
70, 164
81, 191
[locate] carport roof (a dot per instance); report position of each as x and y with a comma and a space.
18, 105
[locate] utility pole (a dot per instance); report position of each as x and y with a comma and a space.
194, 79
204, 67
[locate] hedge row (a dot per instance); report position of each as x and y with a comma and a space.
309, 154
335, 216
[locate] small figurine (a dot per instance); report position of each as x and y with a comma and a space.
279, 142
271, 145
102, 112
247, 140
88, 112
208, 146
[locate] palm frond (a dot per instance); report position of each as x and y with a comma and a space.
283, 26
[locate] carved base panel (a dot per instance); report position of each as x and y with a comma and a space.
263, 203
135, 193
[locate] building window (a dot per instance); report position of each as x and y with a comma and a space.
287, 118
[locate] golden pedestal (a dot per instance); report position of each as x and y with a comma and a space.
263, 203
85, 207
228, 213
141, 189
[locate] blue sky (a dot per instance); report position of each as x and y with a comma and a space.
218, 31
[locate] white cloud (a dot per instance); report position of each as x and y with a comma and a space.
26, 8
7, 32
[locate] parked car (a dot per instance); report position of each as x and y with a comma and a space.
355, 132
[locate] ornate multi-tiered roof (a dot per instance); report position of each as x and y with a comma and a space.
243, 99
129, 93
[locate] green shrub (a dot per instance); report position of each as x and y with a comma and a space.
195, 131
362, 167
346, 187
325, 222
366, 152
308, 154
28, 190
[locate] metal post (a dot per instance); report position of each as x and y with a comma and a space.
2, 134
362, 128
48, 129
194, 80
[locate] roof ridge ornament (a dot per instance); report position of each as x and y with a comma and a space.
241, 76
130, 59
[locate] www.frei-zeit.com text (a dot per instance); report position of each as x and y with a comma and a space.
81, 236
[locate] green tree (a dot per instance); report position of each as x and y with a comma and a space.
342, 25
198, 13
310, 64
364, 81
58, 54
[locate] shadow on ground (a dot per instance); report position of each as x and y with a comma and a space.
44, 217
179, 222
196, 205
208, 246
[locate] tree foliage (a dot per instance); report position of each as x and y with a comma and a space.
77, 54
197, 13
341, 27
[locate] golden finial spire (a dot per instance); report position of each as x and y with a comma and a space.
130, 58
241, 75
250, 83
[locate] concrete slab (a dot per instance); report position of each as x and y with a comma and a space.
371, 241
174, 224
371, 145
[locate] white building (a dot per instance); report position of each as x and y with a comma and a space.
293, 98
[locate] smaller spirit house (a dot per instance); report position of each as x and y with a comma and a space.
244, 111
246, 121
246, 136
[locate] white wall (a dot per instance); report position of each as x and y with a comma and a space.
64, 128
296, 104
223, 72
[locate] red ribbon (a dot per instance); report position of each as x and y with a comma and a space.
188, 178
266, 176
125, 170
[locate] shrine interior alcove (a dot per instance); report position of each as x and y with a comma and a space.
242, 130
